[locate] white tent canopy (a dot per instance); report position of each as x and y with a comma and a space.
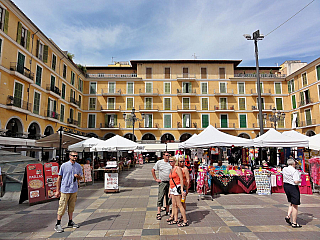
314, 142
295, 135
116, 143
181, 145
273, 138
213, 137
54, 140
85, 145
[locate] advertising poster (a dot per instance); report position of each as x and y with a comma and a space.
51, 171
111, 181
36, 187
87, 173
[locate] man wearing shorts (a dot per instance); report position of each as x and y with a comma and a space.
67, 186
164, 169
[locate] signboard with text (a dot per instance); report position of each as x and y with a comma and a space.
111, 181
35, 180
51, 171
87, 173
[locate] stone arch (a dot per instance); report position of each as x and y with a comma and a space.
244, 135
34, 130
184, 137
108, 135
149, 137
14, 127
129, 136
92, 135
48, 130
167, 137
310, 133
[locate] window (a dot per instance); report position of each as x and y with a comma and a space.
23, 36
261, 87
205, 103
222, 73
295, 120
185, 72
18, 94
204, 120
167, 73
39, 75
79, 100
148, 103
167, 88
167, 103
241, 88
79, 119
62, 113
93, 88
223, 87
4, 20
71, 113
223, 120
294, 104
280, 123
305, 97
186, 103
167, 120
111, 103
204, 88
72, 78
186, 87
52, 83
63, 91
20, 64
318, 72
92, 103
36, 102
223, 103
72, 95
0, 46
319, 91
186, 120
42, 51
112, 87
262, 103
203, 73
80, 85
291, 86
242, 103
304, 79
279, 104
52, 107
111, 120
64, 73
92, 121
148, 87
128, 121
308, 117
54, 62
148, 121
277, 87
243, 120
148, 73
130, 88
129, 103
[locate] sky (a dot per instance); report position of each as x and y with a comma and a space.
97, 31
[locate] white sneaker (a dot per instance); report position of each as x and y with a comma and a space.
58, 229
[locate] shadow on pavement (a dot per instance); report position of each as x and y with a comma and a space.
304, 218
98, 220
196, 217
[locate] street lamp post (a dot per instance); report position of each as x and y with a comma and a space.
133, 118
60, 131
275, 117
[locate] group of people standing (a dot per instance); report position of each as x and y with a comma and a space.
173, 183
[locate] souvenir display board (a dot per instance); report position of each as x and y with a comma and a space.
111, 181
263, 181
35, 180
51, 171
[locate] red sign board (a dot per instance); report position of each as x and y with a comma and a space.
36, 188
51, 171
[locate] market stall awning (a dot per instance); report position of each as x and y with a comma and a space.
154, 147
295, 135
181, 145
85, 145
54, 140
9, 141
273, 138
117, 143
314, 142
211, 137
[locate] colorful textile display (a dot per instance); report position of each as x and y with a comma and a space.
247, 182
202, 180
224, 181
263, 181
315, 170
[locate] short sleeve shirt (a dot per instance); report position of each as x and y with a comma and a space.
164, 169
0, 170
67, 171
290, 174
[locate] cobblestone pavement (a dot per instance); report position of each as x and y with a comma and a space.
131, 214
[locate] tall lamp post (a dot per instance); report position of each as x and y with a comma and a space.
275, 117
133, 118
60, 131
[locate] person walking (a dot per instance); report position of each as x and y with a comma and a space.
291, 180
164, 169
67, 189
186, 178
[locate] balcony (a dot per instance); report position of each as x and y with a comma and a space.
110, 108
72, 121
226, 92
265, 108
225, 126
184, 92
224, 108
52, 114
306, 103
267, 92
149, 92
308, 123
262, 75
103, 75
72, 100
53, 89
104, 126
110, 92
187, 108
192, 126
18, 102
265, 125
155, 126
184, 77
14, 66
153, 108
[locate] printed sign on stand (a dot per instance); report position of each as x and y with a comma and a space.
87, 173
111, 181
51, 171
36, 188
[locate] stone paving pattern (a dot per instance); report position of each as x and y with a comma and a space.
131, 214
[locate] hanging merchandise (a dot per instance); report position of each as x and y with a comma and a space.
263, 181
315, 170
187, 163
246, 182
202, 180
300, 157
245, 156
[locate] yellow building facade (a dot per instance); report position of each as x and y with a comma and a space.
43, 89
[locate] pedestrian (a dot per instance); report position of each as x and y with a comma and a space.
164, 169
176, 186
186, 178
291, 180
67, 188
1, 182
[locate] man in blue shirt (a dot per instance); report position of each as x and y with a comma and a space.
67, 188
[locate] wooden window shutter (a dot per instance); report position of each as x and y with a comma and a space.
45, 53
205, 120
6, 22
222, 73
37, 48
318, 72
204, 73
19, 32
167, 73
148, 73
28, 40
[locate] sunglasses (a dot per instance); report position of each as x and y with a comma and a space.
74, 155
181, 161
171, 161
167, 155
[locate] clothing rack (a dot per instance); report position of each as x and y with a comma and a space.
203, 194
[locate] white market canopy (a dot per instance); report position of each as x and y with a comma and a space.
211, 137
314, 142
53, 140
85, 145
273, 138
181, 145
116, 143
295, 135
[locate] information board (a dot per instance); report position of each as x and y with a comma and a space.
51, 171
87, 173
111, 181
35, 180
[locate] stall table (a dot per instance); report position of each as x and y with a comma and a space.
232, 184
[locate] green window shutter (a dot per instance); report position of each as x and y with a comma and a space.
241, 88
111, 105
291, 118
204, 104
72, 78
261, 87
242, 104
21, 59
115, 120
224, 121
79, 119
49, 104
0, 46
190, 88
6, 22
279, 103
19, 32
308, 117
129, 103
129, 121
292, 85
167, 88
36, 103
318, 72
62, 113
45, 53
93, 87
294, 104
205, 120
167, 121
289, 86
223, 88
37, 48
243, 121
17, 95
63, 90
54, 62
148, 87
53, 82
148, 103
130, 88
223, 103
298, 120
204, 88
186, 104
262, 103
167, 104
186, 121
28, 40
38, 75
91, 121
301, 99
111, 88
278, 88
55, 106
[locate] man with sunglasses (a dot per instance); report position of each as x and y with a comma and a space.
164, 169
67, 188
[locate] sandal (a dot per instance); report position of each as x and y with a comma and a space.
173, 222
170, 219
163, 209
183, 224
287, 220
159, 216
296, 225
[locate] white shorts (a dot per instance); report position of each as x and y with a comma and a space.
173, 191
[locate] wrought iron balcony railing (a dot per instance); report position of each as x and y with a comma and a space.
18, 102
14, 66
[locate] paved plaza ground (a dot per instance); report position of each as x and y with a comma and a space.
131, 214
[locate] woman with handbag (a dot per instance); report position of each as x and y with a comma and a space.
176, 186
